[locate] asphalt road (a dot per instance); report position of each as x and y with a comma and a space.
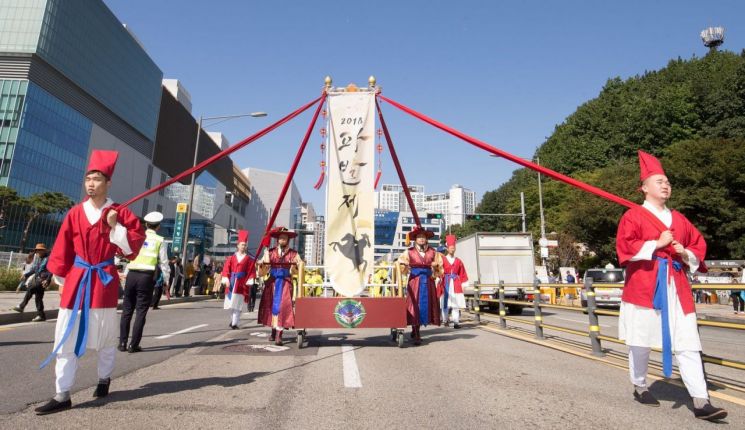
467, 378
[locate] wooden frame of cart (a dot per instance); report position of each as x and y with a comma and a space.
384, 306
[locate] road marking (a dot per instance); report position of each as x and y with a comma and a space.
351, 372
166, 336
575, 321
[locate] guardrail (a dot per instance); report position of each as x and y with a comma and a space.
592, 311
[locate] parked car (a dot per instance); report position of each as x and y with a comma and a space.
605, 296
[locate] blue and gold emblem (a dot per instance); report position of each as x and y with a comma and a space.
349, 313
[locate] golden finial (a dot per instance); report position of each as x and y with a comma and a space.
327, 81
371, 81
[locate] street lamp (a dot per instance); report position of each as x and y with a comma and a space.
222, 118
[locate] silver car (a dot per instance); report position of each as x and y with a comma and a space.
605, 296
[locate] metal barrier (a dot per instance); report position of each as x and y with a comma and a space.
593, 332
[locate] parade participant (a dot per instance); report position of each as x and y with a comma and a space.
423, 264
657, 308
82, 262
235, 278
314, 283
453, 281
141, 278
280, 262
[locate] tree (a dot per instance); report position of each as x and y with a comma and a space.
8, 199
41, 204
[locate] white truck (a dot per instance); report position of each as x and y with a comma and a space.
493, 257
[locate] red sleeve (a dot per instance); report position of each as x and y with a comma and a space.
62, 256
135, 231
251, 273
462, 272
227, 269
695, 243
628, 238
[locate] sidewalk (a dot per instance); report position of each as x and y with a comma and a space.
719, 313
9, 299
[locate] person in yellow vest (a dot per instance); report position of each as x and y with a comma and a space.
140, 283
314, 283
380, 278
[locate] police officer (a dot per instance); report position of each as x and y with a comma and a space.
138, 289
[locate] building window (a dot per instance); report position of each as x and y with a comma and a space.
159, 208
149, 177
162, 191
145, 204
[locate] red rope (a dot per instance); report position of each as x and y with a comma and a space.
319, 183
548, 172
398, 166
288, 181
224, 153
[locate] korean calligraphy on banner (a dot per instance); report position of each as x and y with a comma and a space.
350, 217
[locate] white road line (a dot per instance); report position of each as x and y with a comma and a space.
351, 372
579, 322
166, 336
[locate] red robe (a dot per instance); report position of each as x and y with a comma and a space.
233, 266
641, 276
456, 269
91, 243
286, 316
412, 289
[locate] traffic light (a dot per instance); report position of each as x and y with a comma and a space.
474, 217
434, 216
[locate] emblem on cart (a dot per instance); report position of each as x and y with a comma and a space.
349, 313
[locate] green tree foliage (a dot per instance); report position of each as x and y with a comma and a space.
691, 114
41, 204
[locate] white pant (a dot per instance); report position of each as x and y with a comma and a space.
689, 364
454, 315
67, 365
235, 316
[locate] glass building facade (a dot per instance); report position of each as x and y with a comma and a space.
51, 147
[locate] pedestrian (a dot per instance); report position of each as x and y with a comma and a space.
280, 263
454, 279
235, 279
140, 283
82, 262
570, 278
178, 278
657, 308
158, 292
37, 280
172, 269
188, 276
423, 264
738, 301
25, 270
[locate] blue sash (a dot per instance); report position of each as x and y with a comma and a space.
279, 274
234, 277
83, 286
423, 274
660, 303
446, 280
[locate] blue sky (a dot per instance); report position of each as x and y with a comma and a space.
504, 72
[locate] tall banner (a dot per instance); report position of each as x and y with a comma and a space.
350, 216
178, 227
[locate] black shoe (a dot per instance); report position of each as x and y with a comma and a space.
155, 308
134, 348
646, 398
234, 327
709, 413
273, 336
456, 325
102, 389
38, 319
53, 406
17, 309
122, 347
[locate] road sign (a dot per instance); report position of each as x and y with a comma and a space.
178, 227
543, 241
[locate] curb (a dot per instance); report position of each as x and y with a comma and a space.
716, 318
15, 317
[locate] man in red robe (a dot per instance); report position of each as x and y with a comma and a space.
657, 308
82, 262
451, 287
280, 263
423, 264
236, 279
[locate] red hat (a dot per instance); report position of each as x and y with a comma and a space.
450, 240
278, 231
243, 236
417, 231
103, 161
649, 165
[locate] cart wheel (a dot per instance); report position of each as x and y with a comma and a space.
300, 339
401, 339
394, 334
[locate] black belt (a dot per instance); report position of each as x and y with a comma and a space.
149, 272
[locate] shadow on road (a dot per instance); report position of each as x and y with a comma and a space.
24, 342
170, 387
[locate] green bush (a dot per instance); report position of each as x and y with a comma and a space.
9, 279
